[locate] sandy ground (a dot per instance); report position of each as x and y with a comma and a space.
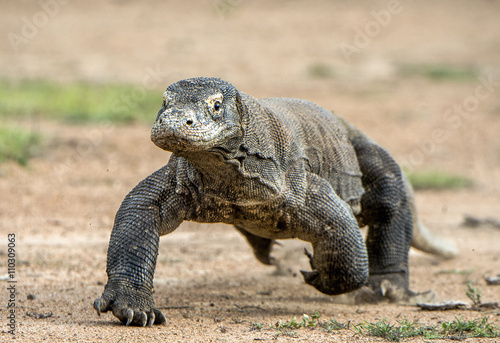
61, 207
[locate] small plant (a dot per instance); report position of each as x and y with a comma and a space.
385, 330
334, 325
441, 72
320, 71
456, 271
473, 294
257, 326
403, 329
17, 144
293, 324
311, 321
287, 333
437, 180
307, 322
406, 329
79, 102
474, 328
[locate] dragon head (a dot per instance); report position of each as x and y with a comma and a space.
198, 114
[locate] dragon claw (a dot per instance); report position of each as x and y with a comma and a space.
131, 308
142, 319
310, 257
308, 254
151, 318
310, 277
159, 318
97, 306
101, 306
129, 315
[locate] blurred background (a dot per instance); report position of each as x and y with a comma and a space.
81, 83
421, 78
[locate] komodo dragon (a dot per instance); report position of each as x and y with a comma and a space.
275, 168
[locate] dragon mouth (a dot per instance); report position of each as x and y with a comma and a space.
223, 153
169, 138
210, 138
169, 143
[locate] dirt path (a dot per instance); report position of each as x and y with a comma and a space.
61, 207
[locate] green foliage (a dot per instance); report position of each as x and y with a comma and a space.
395, 333
320, 71
406, 329
334, 325
17, 144
307, 322
403, 329
257, 326
79, 102
437, 180
287, 333
441, 72
474, 328
456, 271
473, 294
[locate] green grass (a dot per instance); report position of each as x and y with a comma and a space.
474, 294
257, 326
437, 180
477, 328
17, 144
401, 330
441, 72
458, 329
456, 271
78, 102
334, 325
320, 71
306, 322
395, 332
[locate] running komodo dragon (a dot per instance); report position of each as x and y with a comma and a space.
275, 168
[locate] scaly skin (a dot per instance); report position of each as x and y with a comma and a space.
275, 169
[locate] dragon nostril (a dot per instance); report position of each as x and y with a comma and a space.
189, 122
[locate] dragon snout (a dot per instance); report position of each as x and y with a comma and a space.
177, 122
176, 119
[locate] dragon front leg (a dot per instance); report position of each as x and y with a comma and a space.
151, 209
339, 262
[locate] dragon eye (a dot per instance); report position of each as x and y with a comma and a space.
164, 103
217, 105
